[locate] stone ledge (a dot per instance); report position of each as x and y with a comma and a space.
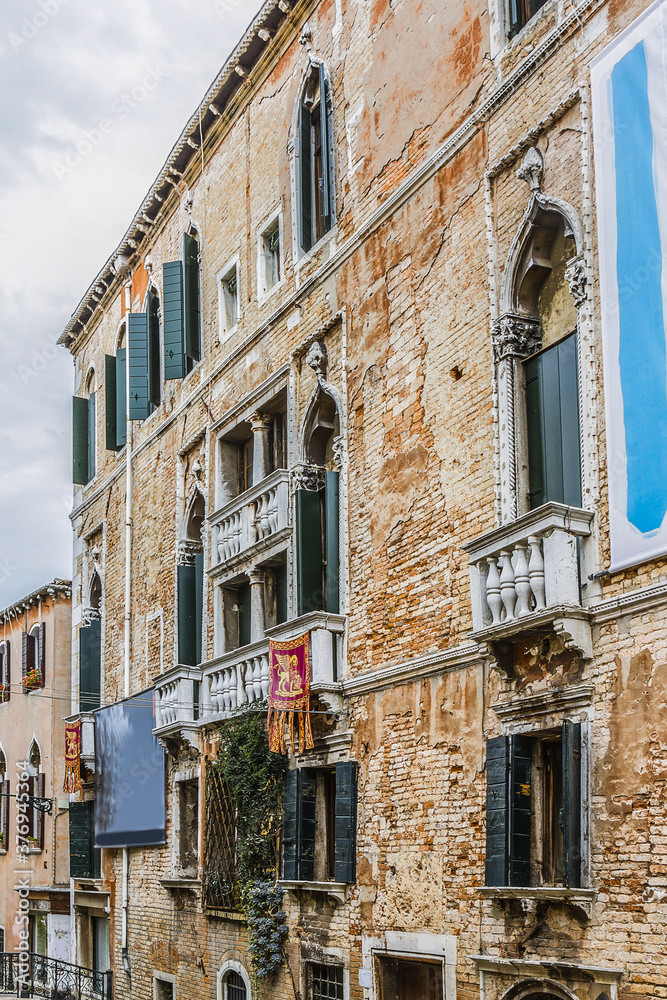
337, 890
580, 899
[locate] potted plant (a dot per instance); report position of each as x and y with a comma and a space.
33, 679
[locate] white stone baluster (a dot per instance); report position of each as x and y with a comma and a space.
521, 580
264, 677
218, 695
536, 571
493, 590
272, 510
507, 591
241, 695
233, 687
257, 678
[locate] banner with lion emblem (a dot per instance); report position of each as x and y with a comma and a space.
289, 693
72, 782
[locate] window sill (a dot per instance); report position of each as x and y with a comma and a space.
531, 895
181, 884
337, 890
304, 258
88, 883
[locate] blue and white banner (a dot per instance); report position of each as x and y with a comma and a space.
629, 90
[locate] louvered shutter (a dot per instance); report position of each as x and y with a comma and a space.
110, 396
290, 825
571, 813
345, 825
191, 308
187, 615
7, 671
4, 813
305, 179
121, 398
308, 551
199, 604
307, 800
40, 784
497, 770
172, 284
80, 441
81, 851
137, 340
521, 756
92, 437
154, 375
41, 652
327, 150
332, 536
90, 658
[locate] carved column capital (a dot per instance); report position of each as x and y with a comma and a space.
187, 552
515, 336
307, 477
259, 421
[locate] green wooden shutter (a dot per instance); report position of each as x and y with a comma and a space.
244, 605
497, 812
308, 551
568, 376
291, 825
92, 436
571, 812
41, 651
520, 796
307, 797
332, 536
110, 415
345, 825
90, 661
191, 297
199, 604
154, 376
174, 356
537, 483
121, 398
81, 862
137, 341
305, 179
187, 616
80, 441
327, 150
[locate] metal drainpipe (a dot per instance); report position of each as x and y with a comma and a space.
128, 592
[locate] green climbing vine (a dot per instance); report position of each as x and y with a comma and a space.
255, 778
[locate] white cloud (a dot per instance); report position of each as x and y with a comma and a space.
68, 65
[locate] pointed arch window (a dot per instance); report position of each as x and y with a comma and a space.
4, 805
5, 672
36, 789
83, 433
190, 584
315, 161
115, 397
33, 659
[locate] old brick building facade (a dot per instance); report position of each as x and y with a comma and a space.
356, 328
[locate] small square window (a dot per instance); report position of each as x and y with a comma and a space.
409, 979
228, 300
270, 257
163, 990
325, 982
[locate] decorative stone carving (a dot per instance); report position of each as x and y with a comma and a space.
90, 615
514, 336
187, 552
338, 451
259, 421
196, 471
317, 359
532, 169
577, 279
307, 477
306, 36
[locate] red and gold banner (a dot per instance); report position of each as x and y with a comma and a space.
289, 693
72, 782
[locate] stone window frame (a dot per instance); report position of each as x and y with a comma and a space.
499, 16
233, 264
264, 293
189, 774
310, 955
399, 944
163, 977
232, 965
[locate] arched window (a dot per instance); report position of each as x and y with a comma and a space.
90, 648
233, 982
4, 804
5, 672
115, 394
33, 665
36, 788
190, 582
154, 314
315, 159
192, 298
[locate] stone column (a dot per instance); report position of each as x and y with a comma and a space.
256, 605
261, 462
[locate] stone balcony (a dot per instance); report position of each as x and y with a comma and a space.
260, 515
87, 755
187, 698
524, 576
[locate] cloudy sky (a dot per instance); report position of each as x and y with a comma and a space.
65, 65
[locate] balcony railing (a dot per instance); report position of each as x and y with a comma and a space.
527, 570
254, 516
27, 975
187, 698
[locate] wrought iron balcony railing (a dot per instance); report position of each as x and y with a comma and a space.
25, 974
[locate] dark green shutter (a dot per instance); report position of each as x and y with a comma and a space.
174, 357
92, 437
187, 616
327, 159
305, 179
571, 814
80, 441
520, 790
307, 797
332, 520
497, 812
191, 309
291, 825
244, 605
552, 408
110, 404
308, 551
121, 400
154, 377
41, 651
90, 660
137, 339
345, 826
84, 858
199, 603
281, 594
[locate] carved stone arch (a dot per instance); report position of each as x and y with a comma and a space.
95, 591
320, 439
538, 989
3, 760
192, 529
34, 757
121, 334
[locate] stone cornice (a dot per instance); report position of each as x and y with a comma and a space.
408, 670
637, 602
57, 588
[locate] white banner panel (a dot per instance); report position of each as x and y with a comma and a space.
629, 90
